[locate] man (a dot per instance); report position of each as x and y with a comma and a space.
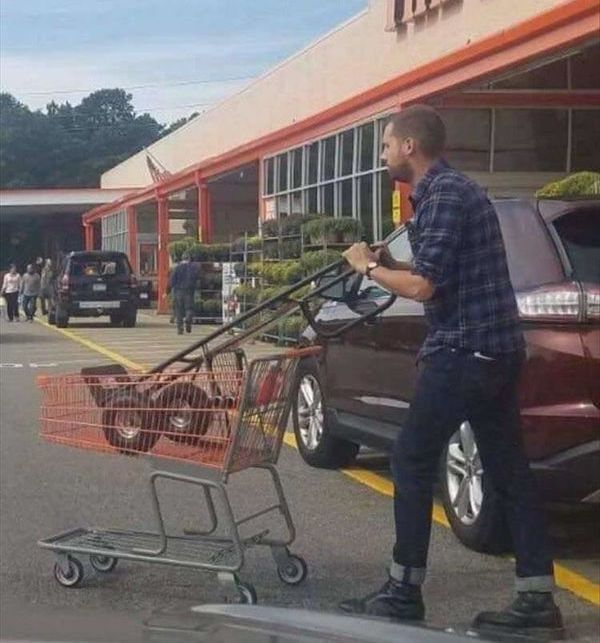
468, 370
11, 286
47, 277
30, 290
183, 283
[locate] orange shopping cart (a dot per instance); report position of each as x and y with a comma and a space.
206, 407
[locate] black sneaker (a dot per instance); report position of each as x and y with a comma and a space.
188, 329
395, 600
530, 613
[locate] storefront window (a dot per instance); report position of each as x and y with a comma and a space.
311, 201
346, 198
468, 134
585, 69
270, 176
347, 152
531, 140
148, 259
147, 221
313, 163
366, 135
296, 199
327, 200
297, 167
282, 170
585, 153
328, 157
381, 125
283, 206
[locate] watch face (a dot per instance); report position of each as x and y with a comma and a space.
372, 265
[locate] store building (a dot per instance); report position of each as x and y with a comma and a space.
517, 82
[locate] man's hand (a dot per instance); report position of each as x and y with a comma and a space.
359, 256
383, 256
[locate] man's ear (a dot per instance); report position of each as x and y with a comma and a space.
408, 146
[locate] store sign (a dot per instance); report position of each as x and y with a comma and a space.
403, 11
396, 207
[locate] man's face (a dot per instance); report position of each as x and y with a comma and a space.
396, 154
29, 268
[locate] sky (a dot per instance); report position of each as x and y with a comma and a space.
174, 56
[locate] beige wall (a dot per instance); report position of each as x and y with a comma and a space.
353, 58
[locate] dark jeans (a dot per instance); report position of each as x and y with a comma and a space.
183, 307
12, 305
29, 305
454, 386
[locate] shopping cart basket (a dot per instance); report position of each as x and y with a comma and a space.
207, 407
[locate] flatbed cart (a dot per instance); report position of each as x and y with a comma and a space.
205, 407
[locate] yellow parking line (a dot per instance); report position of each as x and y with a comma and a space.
565, 577
116, 357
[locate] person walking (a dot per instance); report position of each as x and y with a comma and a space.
11, 287
30, 289
46, 279
469, 368
183, 283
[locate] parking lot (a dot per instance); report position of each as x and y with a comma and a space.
344, 519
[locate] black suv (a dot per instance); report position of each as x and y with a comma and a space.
95, 283
359, 391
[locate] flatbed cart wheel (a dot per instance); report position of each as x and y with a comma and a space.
185, 413
103, 564
247, 594
294, 571
74, 574
127, 422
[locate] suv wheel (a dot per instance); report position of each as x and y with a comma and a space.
317, 446
472, 506
115, 320
62, 318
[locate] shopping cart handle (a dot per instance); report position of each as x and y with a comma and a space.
340, 330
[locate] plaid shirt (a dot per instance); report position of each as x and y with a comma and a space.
457, 245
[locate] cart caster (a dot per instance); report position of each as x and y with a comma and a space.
68, 571
293, 571
247, 594
103, 564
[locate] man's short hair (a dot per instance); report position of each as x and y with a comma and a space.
425, 125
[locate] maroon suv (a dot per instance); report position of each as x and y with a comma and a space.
359, 392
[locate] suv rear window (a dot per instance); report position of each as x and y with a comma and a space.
579, 233
99, 267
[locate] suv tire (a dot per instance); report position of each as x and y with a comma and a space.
480, 523
115, 320
62, 318
317, 446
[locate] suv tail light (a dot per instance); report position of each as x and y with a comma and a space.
64, 282
559, 302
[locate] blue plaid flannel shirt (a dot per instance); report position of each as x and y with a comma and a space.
457, 245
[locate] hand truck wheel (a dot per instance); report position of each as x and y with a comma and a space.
72, 575
293, 571
247, 594
103, 564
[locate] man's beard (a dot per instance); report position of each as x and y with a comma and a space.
402, 172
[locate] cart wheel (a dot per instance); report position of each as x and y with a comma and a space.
185, 412
103, 564
73, 576
294, 571
127, 422
247, 594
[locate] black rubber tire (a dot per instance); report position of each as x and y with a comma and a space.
52, 318
199, 420
103, 564
62, 319
332, 452
116, 320
489, 533
130, 320
294, 572
148, 433
75, 575
247, 594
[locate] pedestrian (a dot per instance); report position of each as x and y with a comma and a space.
46, 279
39, 265
11, 286
30, 290
469, 368
182, 284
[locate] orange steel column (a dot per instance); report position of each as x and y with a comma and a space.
163, 254
88, 231
204, 218
132, 236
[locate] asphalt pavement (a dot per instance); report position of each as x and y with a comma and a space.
344, 520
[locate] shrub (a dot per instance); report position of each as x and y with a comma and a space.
270, 228
580, 184
316, 260
177, 248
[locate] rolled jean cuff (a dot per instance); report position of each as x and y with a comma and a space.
535, 584
410, 575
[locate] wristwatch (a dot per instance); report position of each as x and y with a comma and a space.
371, 266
